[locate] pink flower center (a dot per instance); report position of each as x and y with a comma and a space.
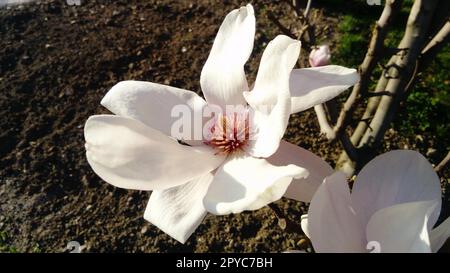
229, 133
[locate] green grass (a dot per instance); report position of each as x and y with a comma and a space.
354, 40
427, 107
5, 246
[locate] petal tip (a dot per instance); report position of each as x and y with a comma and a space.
250, 9
106, 100
149, 218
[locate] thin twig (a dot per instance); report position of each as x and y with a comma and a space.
283, 29
302, 32
284, 222
296, 6
378, 94
307, 9
435, 45
443, 164
325, 127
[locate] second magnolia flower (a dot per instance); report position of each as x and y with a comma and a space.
134, 149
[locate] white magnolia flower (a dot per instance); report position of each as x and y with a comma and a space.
320, 56
393, 207
134, 148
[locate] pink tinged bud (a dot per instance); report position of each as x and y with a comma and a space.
320, 56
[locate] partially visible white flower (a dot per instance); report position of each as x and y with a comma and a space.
394, 205
320, 56
225, 173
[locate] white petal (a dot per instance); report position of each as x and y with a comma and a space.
155, 105
276, 65
315, 85
301, 189
127, 154
332, 223
178, 211
247, 183
269, 130
270, 97
304, 224
402, 228
392, 178
439, 235
223, 77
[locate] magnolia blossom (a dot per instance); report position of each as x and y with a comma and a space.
233, 167
394, 205
320, 56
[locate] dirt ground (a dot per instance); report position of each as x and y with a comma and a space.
57, 62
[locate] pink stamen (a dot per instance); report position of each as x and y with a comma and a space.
229, 133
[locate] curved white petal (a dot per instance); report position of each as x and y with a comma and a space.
223, 78
440, 235
315, 85
158, 106
269, 129
332, 223
276, 65
270, 98
392, 178
304, 225
128, 154
178, 211
402, 228
301, 189
247, 183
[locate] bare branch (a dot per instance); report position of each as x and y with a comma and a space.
302, 32
435, 45
296, 5
284, 222
429, 52
443, 164
440, 17
378, 94
349, 148
371, 108
307, 9
282, 28
325, 127
389, 51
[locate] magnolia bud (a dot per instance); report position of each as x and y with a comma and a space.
320, 56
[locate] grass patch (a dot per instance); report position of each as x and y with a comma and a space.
426, 109
5, 246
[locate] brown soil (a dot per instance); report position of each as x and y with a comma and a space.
57, 62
